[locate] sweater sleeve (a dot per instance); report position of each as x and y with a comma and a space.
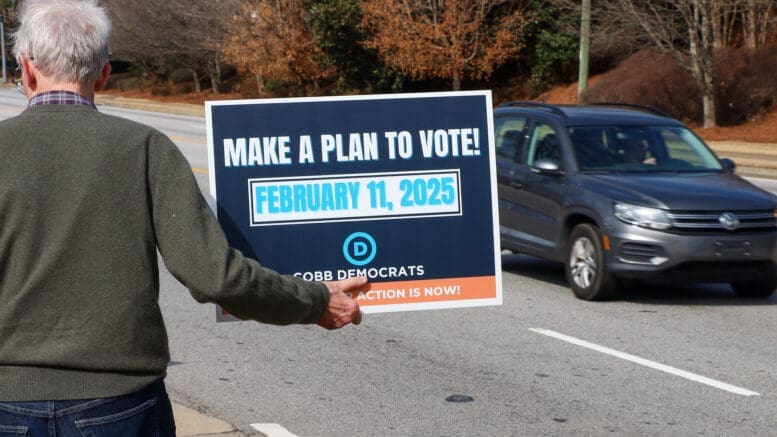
196, 252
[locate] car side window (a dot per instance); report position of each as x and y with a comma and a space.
509, 137
543, 143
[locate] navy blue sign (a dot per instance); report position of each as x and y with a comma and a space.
399, 188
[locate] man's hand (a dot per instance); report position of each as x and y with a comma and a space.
342, 309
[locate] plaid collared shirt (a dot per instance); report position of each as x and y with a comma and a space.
59, 98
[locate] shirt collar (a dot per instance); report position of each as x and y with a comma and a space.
59, 97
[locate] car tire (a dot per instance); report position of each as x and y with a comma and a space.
755, 289
585, 267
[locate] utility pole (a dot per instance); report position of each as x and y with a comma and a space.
2, 45
585, 43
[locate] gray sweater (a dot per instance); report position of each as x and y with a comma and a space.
86, 199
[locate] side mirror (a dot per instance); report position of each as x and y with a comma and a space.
547, 166
728, 165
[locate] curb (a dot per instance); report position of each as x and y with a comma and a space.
189, 109
752, 159
191, 423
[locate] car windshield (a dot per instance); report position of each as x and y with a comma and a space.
645, 149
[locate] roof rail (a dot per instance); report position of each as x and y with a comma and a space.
538, 105
643, 108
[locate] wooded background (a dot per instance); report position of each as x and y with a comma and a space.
710, 61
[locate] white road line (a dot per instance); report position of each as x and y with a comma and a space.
272, 430
652, 364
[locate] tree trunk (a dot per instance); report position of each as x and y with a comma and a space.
196, 79
722, 11
215, 77
701, 42
456, 81
708, 105
756, 17
707, 48
750, 23
259, 84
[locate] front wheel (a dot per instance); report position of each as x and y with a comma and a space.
585, 268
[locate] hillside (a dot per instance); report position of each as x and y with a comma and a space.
761, 130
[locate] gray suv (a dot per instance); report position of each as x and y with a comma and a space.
620, 192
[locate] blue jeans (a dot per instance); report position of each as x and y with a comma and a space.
144, 413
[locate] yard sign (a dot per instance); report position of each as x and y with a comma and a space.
399, 188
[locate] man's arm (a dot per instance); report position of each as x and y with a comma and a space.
197, 253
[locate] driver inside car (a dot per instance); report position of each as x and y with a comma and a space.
636, 150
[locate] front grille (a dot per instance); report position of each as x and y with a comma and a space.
711, 220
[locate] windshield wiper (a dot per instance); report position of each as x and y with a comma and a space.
688, 170
598, 171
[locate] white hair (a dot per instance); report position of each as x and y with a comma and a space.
67, 40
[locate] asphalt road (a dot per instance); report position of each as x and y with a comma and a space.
660, 361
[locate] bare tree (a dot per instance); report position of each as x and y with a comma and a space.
172, 34
724, 21
757, 17
612, 34
752, 20
453, 39
682, 29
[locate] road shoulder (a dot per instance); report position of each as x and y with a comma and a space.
189, 423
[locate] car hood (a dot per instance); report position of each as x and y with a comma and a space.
682, 191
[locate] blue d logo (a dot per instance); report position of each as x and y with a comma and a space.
360, 248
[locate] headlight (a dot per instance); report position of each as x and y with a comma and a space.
642, 216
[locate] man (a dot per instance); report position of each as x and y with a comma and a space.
86, 200
635, 150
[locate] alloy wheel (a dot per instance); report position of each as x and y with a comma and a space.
582, 261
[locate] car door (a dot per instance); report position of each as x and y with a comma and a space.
533, 197
509, 136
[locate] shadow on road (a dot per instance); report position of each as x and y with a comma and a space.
535, 268
657, 293
638, 292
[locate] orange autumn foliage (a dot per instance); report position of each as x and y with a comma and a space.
446, 39
273, 40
